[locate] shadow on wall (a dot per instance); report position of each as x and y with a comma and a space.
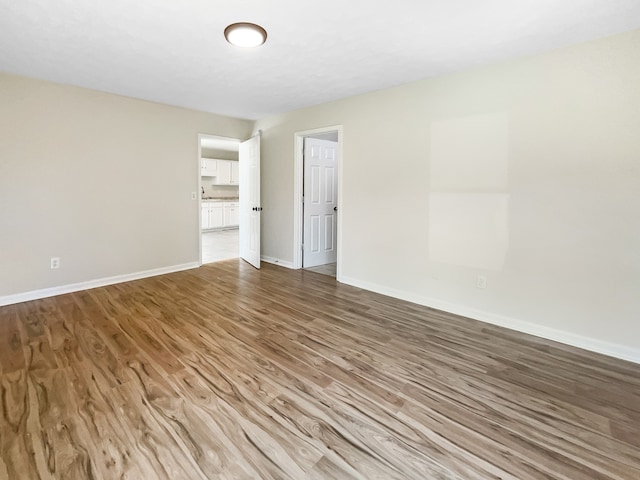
469, 199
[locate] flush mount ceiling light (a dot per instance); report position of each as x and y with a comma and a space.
246, 35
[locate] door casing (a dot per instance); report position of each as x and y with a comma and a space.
298, 182
320, 201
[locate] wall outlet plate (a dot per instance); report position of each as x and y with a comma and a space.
481, 281
55, 263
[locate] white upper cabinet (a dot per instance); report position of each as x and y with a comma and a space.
235, 173
228, 173
224, 173
208, 167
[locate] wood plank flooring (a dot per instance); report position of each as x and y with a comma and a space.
229, 372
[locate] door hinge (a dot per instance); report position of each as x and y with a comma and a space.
302, 247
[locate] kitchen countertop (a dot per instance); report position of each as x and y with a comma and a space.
221, 199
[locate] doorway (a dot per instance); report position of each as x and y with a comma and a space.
317, 191
219, 198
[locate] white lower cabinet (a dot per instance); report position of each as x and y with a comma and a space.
220, 214
231, 214
216, 215
204, 214
212, 215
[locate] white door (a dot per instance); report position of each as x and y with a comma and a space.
320, 202
249, 193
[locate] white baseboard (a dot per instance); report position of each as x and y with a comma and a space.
276, 261
587, 343
101, 282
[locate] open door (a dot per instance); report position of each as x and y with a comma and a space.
249, 157
320, 202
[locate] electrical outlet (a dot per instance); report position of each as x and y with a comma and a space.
194, 196
55, 263
481, 281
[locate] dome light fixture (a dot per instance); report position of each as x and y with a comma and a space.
245, 35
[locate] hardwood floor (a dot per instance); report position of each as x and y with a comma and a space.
229, 372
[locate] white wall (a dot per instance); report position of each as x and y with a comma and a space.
526, 172
102, 181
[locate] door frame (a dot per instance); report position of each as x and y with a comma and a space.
199, 191
298, 188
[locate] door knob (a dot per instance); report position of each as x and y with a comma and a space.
335, 209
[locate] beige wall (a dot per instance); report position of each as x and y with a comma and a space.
102, 181
526, 172
216, 153
222, 191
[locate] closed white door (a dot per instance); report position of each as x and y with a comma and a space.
320, 202
249, 193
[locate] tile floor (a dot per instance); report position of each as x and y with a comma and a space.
220, 245
224, 244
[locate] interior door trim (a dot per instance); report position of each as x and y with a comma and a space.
298, 172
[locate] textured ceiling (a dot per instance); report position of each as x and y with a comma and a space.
174, 52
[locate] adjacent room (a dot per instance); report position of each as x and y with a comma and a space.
293, 240
220, 198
